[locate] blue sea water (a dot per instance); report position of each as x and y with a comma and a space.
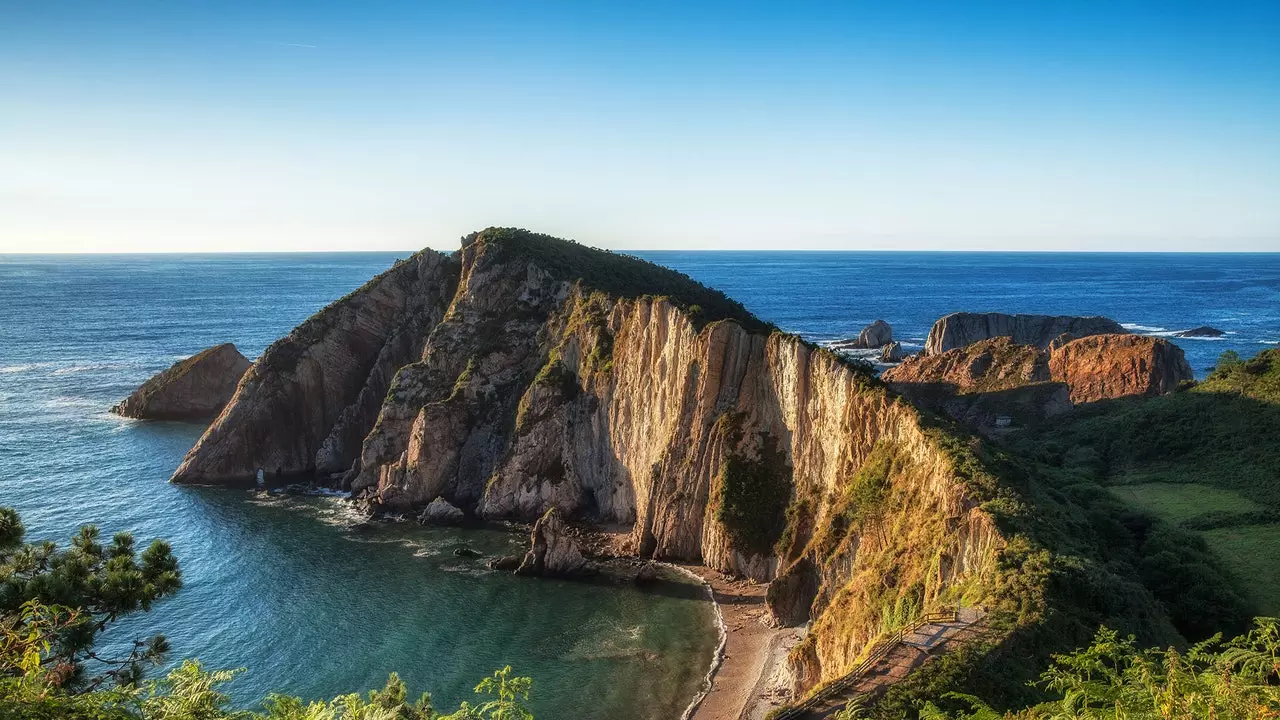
827, 296
283, 588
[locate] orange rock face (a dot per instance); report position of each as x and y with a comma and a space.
993, 364
1099, 367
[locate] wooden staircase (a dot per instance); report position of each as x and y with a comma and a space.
892, 659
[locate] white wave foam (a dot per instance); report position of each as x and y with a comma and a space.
1143, 329
89, 368
28, 367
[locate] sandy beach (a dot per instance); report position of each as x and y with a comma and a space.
749, 681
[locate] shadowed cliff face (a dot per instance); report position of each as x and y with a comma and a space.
196, 388
306, 403
532, 374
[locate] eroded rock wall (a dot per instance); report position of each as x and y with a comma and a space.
510, 387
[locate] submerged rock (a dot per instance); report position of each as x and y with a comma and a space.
506, 563
1204, 331
964, 328
196, 388
552, 552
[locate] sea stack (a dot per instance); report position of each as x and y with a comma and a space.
196, 388
962, 329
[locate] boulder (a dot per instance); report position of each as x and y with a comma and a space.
1100, 367
441, 512
961, 329
552, 552
891, 353
877, 334
196, 388
647, 574
1204, 331
506, 563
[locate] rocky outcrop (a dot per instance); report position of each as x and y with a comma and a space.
196, 388
877, 334
1110, 366
552, 552
892, 353
525, 374
988, 365
1204, 331
441, 512
309, 401
990, 379
999, 378
961, 329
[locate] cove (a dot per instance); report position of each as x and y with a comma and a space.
280, 586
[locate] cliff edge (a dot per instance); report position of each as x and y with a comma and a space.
523, 373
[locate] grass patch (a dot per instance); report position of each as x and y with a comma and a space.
1252, 552
1178, 502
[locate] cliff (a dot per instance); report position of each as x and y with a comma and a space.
533, 374
1110, 366
961, 329
997, 376
196, 388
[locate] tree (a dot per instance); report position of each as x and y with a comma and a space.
92, 585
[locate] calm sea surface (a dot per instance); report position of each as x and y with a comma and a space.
280, 587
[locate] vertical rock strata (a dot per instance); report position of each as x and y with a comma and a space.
532, 374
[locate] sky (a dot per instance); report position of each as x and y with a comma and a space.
178, 126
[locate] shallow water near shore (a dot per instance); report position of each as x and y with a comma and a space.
284, 587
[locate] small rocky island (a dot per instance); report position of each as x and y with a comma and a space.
196, 388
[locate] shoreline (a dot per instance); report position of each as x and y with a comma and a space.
751, 660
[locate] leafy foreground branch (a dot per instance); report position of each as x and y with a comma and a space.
1114, 679
54, 602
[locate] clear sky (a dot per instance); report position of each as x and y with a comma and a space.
275, 125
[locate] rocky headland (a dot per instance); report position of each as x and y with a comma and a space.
196, 388
524, 373
528, 378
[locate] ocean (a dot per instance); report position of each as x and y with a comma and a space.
282, 587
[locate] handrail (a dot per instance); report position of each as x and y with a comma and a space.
882, 648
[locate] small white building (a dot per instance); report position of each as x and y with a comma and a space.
1003, 421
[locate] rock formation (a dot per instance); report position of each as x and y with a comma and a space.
552, 552
997, 377
981, 382
1204, 331
524, 374
196, 388
891, 353
1109, 366
961, 329
441, 512
875, 335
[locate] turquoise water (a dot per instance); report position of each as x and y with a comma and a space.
280, 586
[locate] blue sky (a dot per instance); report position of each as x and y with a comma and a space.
183, 126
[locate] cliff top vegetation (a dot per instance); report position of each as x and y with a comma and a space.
616, 274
